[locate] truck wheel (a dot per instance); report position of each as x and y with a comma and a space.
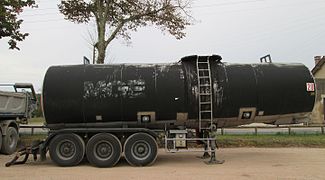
9, 141
67, 149
140, 149
103, 150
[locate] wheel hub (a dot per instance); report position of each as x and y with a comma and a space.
104, 150
67, 149
141, 150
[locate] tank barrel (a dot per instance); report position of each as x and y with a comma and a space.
196, 90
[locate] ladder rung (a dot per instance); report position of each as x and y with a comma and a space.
206, 102
207, 81
204, 77
201, 69
205, 94
203, 62
205, 120
206, 111
204, 85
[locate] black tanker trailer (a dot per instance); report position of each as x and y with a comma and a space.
102, 111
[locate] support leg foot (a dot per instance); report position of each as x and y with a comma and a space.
213, 160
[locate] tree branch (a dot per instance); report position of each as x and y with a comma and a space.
114, 33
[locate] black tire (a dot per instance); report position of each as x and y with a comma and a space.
140, 149
103, 150
9, 141
67, 149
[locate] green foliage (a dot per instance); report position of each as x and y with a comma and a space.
117, 18
9, 21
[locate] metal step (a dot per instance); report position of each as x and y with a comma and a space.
205, 94
205, 120
208, 110
207, 102
204, 77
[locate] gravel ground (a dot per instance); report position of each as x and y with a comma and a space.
241, 163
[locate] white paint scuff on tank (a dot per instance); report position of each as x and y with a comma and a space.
225, 71
163, 69
115, 88
218, 91
255, 74
195, 91
181, 74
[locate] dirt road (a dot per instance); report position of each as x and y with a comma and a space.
241, 163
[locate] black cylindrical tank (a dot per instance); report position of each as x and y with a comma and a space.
168, 93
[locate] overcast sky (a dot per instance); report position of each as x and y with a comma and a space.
241, 31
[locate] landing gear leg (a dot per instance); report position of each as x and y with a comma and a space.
206, 154
213, 159
214, 146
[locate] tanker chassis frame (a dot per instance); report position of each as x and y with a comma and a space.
139, 146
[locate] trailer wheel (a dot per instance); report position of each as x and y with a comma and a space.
9, 141
103, 150
67, 149
140, 149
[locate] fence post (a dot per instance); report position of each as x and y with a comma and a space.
255, 130
322, 128
32, 131
289, 130
222, 131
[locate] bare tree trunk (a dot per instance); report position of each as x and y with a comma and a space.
101, 53
101, 44
101, 29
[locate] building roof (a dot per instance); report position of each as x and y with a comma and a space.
319, 65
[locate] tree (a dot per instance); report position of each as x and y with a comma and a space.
116, 18
9, 22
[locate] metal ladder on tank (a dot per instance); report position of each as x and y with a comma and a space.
205, 92
205, 115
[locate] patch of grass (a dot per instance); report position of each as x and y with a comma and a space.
38, 120
278, 140
232, 141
